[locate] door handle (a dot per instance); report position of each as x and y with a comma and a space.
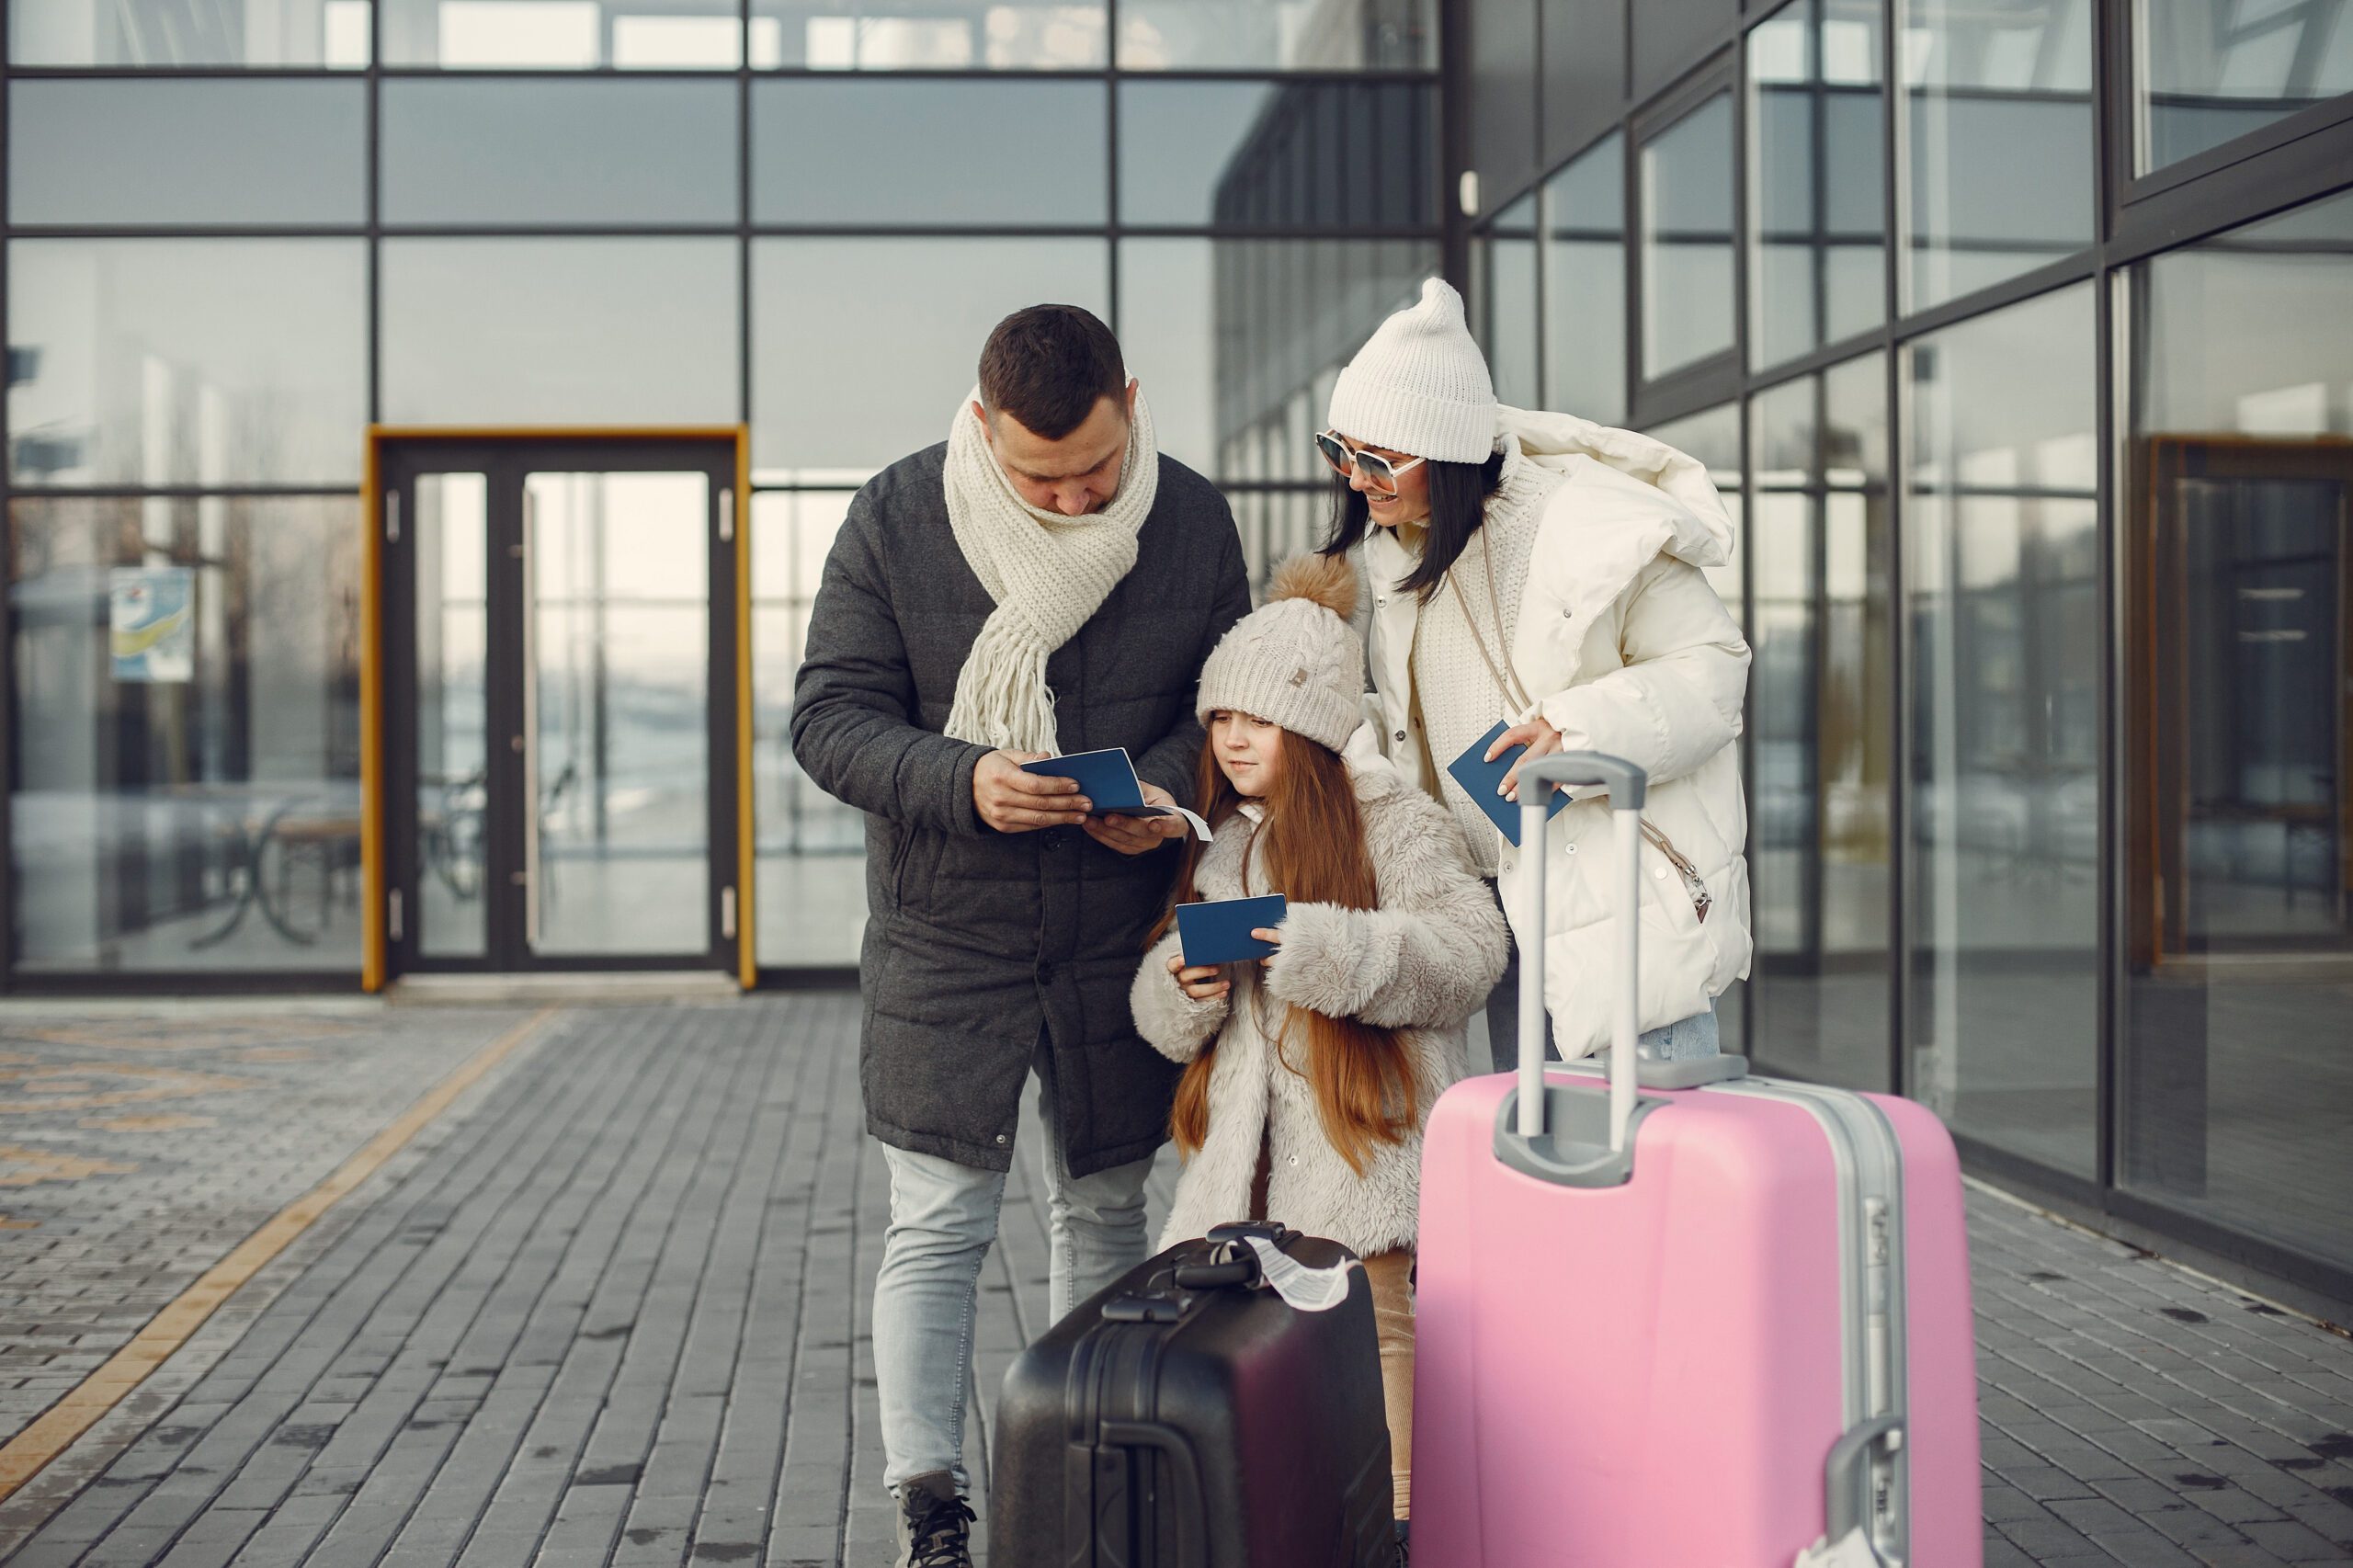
530, 736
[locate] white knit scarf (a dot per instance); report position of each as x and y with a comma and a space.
1047, 573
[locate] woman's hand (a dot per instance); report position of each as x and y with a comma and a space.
1201, 982
1267, 933
1539, 737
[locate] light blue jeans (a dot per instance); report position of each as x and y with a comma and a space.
943, 1216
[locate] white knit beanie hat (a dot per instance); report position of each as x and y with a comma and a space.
1420, 386
1295, 661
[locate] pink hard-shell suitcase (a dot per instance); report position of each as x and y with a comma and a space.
1681, 1317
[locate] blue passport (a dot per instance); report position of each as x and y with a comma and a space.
1218, 931
1108, 780
1479, 777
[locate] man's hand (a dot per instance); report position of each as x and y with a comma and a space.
1538, 736
1137, 836
1013, 801
1201, 982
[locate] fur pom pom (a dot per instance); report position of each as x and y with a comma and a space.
1326, 580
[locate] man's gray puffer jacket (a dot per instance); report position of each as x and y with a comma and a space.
976, 939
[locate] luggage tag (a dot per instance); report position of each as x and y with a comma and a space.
1303, 1289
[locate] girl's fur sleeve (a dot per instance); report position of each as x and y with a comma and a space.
1174, 1025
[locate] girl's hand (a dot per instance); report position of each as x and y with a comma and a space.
1267, 933
1201, 982
1539, 737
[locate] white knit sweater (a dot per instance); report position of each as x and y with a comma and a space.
1456, 697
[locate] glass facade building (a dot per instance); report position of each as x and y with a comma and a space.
2024, 334
372, 366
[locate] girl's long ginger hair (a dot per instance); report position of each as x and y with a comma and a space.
1315, 854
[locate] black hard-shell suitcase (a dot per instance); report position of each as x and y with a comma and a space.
1187, 1417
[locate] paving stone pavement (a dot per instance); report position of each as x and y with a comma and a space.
136, 1151
617, 1314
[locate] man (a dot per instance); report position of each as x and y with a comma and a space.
1043, 582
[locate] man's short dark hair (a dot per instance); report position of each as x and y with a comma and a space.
1048, 365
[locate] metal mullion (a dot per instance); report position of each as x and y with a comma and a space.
2046, 279
182, 492
2310, 121
542, 74
744, 195
373, 268
186, 231
8, 932
2113, 159
186, 74
1893, 144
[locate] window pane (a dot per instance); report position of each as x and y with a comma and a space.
1686, 240
1817, 224
1713, 437
1283, 35
885, 153
1820, 727
1512, 284
1999, 107
2238, 901
1250, 154
331, 33
2214, 69
185, 743
1585, 285
1237, 342
186, 361
841, 392
563, 35
188, 154
527, 152
812, 848
488, 331
2001, 590
927, 35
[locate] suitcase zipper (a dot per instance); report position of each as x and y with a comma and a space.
1869, 1471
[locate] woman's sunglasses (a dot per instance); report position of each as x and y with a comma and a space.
1379, 471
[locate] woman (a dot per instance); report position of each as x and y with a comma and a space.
1543, 571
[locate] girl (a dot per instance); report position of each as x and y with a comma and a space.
1544, 572
1308, 1077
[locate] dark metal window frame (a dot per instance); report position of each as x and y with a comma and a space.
1444, 231
2295, 160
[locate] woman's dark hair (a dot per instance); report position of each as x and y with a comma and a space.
1459, 495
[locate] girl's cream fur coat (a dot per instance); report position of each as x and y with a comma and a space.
1422, 963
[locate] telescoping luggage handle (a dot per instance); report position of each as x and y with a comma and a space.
1627, 784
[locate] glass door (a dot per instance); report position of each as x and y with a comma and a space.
561, 708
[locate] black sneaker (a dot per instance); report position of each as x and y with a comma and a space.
935, 1524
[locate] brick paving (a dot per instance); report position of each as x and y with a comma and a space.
613, 1312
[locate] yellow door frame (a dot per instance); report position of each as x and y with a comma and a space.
375, 939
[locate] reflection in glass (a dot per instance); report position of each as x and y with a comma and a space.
199, 361
2239, 897
563, 35
1513, 334
2001, 608
1280, 35
488, 331
133, 33
558, 152
1817, 219
839, 392
451, 737
1286, 314
618, 572
902, 152
2213, 70
1713, 436
185, 743
1584, 284
812, 848
1820, 726
186, 153
1998, 106
1257, 154
939, 34
1686, 240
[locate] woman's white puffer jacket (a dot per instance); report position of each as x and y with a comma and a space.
1631, 653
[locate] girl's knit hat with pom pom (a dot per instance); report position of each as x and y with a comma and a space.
1295, 661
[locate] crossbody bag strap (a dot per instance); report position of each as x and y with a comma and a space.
1506, 676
